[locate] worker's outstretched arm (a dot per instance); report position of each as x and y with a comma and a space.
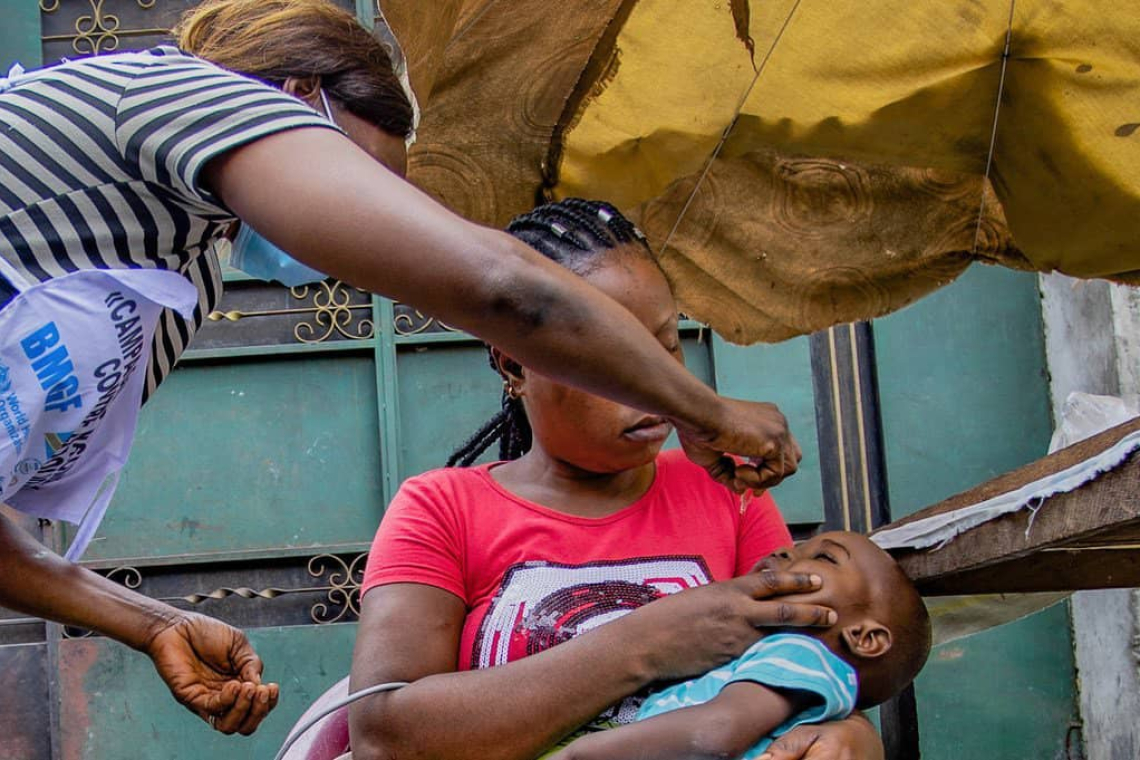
208, 665
318, 196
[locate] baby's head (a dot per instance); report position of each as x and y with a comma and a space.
883, 630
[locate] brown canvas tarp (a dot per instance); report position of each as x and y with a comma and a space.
796, 163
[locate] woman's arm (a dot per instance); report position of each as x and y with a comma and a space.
410, 632
209, 666
318, 196
723, 728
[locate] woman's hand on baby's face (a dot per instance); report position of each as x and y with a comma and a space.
757, 432
698, 629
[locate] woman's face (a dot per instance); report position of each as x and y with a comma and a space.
384, 147
595, 434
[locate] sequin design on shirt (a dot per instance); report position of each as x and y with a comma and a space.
541, 604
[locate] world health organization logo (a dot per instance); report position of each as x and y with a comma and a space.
5, 381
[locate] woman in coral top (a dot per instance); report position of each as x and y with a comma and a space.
515, 595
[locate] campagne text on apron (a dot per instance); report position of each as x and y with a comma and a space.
73, 358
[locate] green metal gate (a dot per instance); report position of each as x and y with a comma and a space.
262, 467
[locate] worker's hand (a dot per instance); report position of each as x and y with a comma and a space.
756, 432
212, 670
850, 739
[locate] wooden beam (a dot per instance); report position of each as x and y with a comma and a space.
1087, 538
1047, 570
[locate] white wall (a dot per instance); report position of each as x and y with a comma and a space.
1092, 341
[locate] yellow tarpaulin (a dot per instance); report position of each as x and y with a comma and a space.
796, 163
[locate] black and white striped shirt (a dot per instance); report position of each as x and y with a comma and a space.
100, 167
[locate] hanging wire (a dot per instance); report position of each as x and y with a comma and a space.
728, 129
467, 27
993, 130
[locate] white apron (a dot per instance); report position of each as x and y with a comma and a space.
73, 359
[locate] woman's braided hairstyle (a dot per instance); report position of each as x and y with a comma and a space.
577, 234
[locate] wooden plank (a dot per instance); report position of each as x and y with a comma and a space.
1047, 570
1066, 545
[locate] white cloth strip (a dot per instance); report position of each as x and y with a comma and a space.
943, 528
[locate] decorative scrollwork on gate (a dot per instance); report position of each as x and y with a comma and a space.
127, 576
331, 308
245, 592
99, 31
343, 589
409, 320
337, 588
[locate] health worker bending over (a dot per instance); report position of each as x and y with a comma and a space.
118, 173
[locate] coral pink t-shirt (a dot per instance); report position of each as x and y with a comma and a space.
532, 577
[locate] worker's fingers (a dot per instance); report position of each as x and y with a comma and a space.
723, 471
261, 704
233, 719
214, 702
250, 664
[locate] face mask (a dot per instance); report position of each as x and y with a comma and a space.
257, 257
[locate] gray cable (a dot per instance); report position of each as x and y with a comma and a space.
293, 737
727, 131
994, 129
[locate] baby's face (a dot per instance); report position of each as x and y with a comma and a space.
849, 564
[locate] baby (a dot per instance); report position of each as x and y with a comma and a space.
878, 645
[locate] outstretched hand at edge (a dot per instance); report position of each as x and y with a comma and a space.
211, 668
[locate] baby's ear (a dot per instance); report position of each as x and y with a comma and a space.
868, 638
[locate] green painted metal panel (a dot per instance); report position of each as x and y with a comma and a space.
445, 391
389, 402
964, 397
699, 354
114, 706
1006, 694
198, 355
257, 455
20, 35
964, 386
366, 12
780, 373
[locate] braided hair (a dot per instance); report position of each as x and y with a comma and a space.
577, 234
